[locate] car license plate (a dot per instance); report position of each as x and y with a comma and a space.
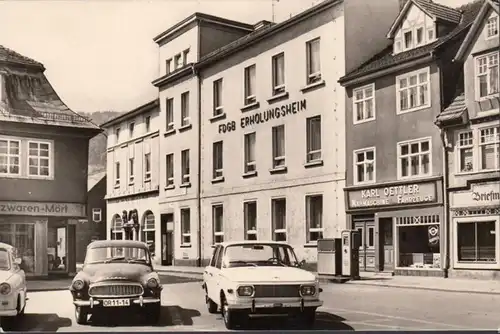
115, 302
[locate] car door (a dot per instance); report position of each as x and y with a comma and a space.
208, 273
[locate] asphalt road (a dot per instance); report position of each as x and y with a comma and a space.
347, 307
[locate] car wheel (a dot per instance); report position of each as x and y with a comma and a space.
232, 318
308, 318
81, 314
211, 305
153, 312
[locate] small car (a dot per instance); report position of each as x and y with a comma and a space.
13, 290
249, 279
118, 275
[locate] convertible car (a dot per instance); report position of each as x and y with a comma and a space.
259, 278
118, 275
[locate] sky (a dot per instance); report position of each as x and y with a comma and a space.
99, 55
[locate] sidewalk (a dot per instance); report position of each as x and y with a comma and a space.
383, 280
48, 284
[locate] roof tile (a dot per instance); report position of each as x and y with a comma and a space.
455, 110
440, 11
11, 56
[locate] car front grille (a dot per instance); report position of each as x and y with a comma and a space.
286, 291
116, 290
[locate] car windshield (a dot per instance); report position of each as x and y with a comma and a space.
259, 255
108, 254
4, 260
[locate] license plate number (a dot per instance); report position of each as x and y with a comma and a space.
115, 302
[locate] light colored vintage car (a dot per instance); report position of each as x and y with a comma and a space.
118, 275
13, 290
257, 278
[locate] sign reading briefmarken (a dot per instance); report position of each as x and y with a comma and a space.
407, 194
42, 209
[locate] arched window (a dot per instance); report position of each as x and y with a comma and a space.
148, 230
117, 228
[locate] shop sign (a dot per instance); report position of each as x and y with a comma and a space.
264, 116
433, 231
486, 194
393, 195
42, 209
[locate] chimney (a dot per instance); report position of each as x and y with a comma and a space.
402, 3
262, 24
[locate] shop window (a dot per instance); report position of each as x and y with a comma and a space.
22, 237
476, 241
418, 240
186, 227
314, 208
148, 231
278, 207
218, 223
117, 232
250, 210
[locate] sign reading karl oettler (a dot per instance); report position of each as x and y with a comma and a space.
265, 116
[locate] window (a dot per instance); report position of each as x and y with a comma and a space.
218, 108
117, 134
131, 128
218, 223
250, 163
489, 147
278, 63
278, 207
250, 73
364, 103
147, 123
218, 160
430, 34
314, 212
21, 235
170, 114
185, 166
185, 119
131, 170
278, 146
313, 61
178, 61
250, 210
147, 167
414, 158
186, 226
371, 237
117, 174
413, 90
148, 231
10, 155
364, 165
39, 156
169, 164
492, 27
168, 66
117, 231
465, 150
185, 56
313, 133
476, 241
420, 36
96, 215
408, 40
487, 81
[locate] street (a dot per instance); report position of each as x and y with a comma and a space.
347, 307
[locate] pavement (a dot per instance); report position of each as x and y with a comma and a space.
346, 307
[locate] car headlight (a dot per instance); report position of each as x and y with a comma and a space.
307, 290
245, 290
78, 284
5, 288
152, 283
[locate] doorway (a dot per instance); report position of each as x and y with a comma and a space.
167, 239
387, 243
57, 250
366, 228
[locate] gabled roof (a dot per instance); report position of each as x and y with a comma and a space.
476, 26
12, 57
386, 59
434, 10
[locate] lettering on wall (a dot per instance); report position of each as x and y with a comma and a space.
484, 194
393, 195
265, 116
42, 209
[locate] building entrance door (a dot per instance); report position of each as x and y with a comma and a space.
167, 239
386, 241
366, 228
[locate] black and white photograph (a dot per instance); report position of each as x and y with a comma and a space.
249, 165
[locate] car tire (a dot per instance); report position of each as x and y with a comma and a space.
308, 318
232, 318
81, 315
211, 305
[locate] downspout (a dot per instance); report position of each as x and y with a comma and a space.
198, 195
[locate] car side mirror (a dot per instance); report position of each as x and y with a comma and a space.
302, 263
18, 261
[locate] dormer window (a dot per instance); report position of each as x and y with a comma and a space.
420, 36
430, 34
492, 27
408, 40
178, 61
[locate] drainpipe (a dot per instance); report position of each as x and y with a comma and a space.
198, 195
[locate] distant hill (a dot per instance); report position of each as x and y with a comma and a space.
97, 145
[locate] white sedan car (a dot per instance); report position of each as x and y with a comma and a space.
12, 286
259, 278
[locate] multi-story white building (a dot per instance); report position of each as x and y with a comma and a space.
133, 176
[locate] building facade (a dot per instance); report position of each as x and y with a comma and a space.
394, 193
472, 127
272, 128
133, 178
43, 167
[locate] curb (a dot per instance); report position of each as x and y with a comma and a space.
48, 290
179, 272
